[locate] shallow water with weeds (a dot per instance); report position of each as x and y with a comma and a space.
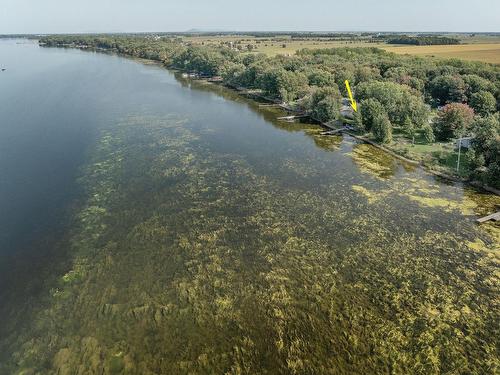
211, 238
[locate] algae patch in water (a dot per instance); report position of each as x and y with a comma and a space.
371, 196
373, 161
190, 260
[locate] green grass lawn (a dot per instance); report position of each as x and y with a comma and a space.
439, 155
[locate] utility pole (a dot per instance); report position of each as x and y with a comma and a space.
459, 152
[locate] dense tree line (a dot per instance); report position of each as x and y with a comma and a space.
392, 90
422, 40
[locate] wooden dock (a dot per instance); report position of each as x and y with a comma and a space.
494, 217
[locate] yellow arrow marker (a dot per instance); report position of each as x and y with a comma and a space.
354, 105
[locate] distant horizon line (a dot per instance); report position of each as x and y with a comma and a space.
202, 31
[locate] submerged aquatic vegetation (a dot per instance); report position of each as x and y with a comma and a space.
371, 196
373, 161
202, 263
329, 143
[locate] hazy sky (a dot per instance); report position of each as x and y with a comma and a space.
63, 16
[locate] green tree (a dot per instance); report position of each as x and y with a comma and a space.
292, 85
370, 109
267, 80
382, 128
428, 133
475, 83
249, 59
233, 73
483, 103
409, 129
448, 89
320, 78
366, 73
486, 147
412, 107
358, 120
485, 130
389, 94
325, 104
283, 84
454, 120
397, 74
403, 76
398, 101
342, 73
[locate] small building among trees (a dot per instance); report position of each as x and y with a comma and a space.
465, 142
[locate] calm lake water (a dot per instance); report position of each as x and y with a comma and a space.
155, 225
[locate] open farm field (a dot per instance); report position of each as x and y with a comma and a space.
290, 47
485, 48
279, 45
485, 52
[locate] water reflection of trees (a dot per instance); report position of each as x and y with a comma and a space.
270, 114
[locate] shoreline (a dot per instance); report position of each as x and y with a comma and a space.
418, 164
284, 107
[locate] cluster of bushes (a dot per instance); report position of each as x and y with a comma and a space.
392, 90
